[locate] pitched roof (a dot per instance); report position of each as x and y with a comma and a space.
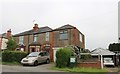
68, 26
101, 51
65, 27
45, 29
4, 35
29, 32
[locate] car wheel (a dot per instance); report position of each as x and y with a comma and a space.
47, 61
35, 63
23, 64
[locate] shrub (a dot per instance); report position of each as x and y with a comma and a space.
62, 57
13, 56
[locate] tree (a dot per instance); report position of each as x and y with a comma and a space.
11, 44
114, 47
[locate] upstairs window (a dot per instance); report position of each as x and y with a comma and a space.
80, 35
63, 35
35, 38
47, 36
21, 39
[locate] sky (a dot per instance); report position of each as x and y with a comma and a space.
96, 19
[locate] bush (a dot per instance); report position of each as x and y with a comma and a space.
13, 56
62, 57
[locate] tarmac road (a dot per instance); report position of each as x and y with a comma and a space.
20, 68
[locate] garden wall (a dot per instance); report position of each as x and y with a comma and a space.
95, 64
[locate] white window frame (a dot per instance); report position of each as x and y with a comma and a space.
47, 36
21, 39
80, 36
64, 32
35, 38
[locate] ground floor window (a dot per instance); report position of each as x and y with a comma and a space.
34, 48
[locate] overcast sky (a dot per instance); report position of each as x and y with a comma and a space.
96, 19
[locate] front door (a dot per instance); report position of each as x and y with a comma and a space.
32, 49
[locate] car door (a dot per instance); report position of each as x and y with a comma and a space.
45, 56
41, 57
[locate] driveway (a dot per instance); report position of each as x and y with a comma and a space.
113, 69
20, 68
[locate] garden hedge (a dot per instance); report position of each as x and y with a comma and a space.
63, 57
13, 56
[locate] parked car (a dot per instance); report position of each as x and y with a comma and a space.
35, 58
108, 61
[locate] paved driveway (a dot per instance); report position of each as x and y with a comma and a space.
113, 69
20, 68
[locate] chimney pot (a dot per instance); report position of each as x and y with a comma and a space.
35, 28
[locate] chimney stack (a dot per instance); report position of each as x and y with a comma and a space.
9, 33
35, 28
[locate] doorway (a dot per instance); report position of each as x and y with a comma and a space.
32, 49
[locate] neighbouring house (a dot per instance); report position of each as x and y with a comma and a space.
119, 21
4, 38
104, 55
45, 38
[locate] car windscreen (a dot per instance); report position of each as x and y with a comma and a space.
108, 60
33, 54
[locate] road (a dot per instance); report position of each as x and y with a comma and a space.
113, 69
20, 68
39, 68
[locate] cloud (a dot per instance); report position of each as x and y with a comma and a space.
96, 19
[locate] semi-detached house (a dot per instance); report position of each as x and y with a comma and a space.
45, 38
4, 39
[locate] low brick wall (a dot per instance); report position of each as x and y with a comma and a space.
95, 64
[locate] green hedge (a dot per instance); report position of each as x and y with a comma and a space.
13, 56
63, 57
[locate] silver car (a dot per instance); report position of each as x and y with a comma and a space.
108, 61
35, 58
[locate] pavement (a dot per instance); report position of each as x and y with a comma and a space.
20, 68
113, 69
39, 68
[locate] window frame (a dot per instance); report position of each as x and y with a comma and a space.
80, 37
47, 34
63, 32
35, 36
21, 39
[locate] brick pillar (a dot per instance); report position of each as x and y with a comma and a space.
0, 42
83, 39
75, 36
52, 47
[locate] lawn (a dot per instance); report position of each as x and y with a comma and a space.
10, 63
80, 69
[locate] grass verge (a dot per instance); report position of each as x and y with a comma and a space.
10, 63
80, 69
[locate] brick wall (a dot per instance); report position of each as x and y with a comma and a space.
73, 39
58, 42
96, 64
0, 42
